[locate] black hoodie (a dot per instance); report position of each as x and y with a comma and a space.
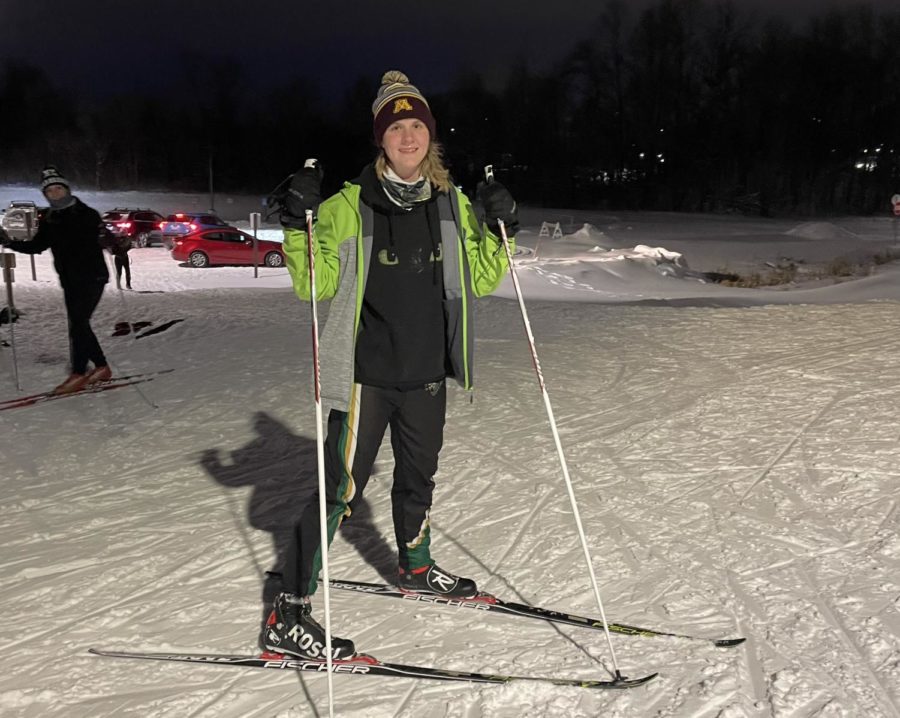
402, 338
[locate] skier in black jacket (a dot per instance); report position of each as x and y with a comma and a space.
72, 231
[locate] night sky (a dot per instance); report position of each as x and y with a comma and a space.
103, 47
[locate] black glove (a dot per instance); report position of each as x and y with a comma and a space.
499, 204
5, 239
304, 193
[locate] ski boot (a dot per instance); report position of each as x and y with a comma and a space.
435, 580
74, 382
99, 374
291, 629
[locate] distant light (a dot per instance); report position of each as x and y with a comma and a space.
662, 129
453, 129
641, 155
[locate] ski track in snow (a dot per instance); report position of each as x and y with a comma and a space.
735, 468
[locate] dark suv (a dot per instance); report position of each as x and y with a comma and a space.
182, 223
141, 225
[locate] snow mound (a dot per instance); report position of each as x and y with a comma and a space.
657, 255
586, 245
588, 231
641, 253
820, 230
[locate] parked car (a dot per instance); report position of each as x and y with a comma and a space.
205, 247
183, 223
14, 219
140, 225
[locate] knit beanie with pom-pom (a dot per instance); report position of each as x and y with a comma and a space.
399, 100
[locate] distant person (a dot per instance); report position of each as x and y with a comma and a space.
72, 231
119, 248
402, 255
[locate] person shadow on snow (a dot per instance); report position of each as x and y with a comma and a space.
282, 468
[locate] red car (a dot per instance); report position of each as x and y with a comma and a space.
225, 246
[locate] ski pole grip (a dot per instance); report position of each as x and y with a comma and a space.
488, 178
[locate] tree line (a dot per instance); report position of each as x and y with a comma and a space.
689, 105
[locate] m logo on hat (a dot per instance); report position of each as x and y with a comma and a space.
397, 99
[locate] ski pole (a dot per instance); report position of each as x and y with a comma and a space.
489, 177
320, 448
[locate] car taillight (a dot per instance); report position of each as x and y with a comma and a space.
193, 227
123, 225
162, 225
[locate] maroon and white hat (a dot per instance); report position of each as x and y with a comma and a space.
399, 100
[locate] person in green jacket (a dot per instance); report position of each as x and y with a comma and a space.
401, 255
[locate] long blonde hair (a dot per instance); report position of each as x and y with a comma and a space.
432, 167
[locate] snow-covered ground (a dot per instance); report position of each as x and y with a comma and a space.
734, 453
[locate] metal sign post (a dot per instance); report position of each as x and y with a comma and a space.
254, 225
8, 263
29, 224
895, 200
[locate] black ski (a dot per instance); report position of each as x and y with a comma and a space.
363, 665
487, 602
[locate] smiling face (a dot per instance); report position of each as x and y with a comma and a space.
405, 144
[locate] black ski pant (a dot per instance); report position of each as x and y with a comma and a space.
81, 301
122, 262
416, 418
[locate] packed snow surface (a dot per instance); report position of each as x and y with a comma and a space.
734, 453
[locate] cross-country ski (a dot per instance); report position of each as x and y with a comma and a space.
365, 665
489, 603
98, 388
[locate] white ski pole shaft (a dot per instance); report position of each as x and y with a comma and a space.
320, 456
559, 450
